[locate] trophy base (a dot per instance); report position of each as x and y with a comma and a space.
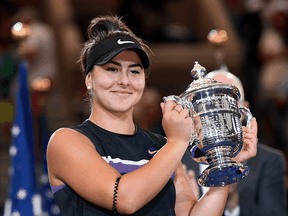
222, 170
224, 174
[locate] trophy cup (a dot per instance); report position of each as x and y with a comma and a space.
221, 136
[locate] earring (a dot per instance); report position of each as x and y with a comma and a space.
89, 88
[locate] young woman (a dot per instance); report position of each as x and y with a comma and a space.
87, 162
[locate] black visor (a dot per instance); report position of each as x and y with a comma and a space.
107, 50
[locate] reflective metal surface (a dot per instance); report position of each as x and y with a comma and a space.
220, 136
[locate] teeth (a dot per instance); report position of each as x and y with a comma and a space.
121, 93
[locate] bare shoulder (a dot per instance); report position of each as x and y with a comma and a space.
73, 160
66, 138
65, 147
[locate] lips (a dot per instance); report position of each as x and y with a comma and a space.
122, 92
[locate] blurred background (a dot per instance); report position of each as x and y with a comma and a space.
53, 32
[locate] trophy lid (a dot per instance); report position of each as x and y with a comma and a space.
201, 83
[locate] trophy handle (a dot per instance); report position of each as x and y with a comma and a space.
194, 140
183, 102
174, 98
245, 115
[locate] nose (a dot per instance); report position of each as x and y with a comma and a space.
123, 78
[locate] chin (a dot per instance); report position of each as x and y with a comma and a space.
121, 109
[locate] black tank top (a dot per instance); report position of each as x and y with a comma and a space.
125, 153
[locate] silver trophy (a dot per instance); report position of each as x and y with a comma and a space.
220, 136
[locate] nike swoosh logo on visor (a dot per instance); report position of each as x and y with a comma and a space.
124, 42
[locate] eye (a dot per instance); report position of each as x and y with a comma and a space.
112, 69
135, 71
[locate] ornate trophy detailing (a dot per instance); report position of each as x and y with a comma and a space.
221, 118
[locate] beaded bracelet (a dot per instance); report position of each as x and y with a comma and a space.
115, 195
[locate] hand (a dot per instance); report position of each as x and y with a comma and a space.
249, 149
176, 122
185, 197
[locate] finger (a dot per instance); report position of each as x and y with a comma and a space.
249, 136
246, 154
168, 106
178, 108
202, 160
250, 143
162, 107
250, 147
184, 113
254, 125
248, 131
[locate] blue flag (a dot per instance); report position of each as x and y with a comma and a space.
24, 198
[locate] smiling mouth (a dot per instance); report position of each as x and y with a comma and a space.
122, 93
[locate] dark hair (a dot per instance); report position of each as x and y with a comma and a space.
105, 27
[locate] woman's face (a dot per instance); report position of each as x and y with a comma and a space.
118, 85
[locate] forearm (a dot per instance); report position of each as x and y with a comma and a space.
140, 186
212, 203
185, 197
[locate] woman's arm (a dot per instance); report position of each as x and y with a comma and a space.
214, 201
73, 160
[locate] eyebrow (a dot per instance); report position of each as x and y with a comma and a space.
132, 65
